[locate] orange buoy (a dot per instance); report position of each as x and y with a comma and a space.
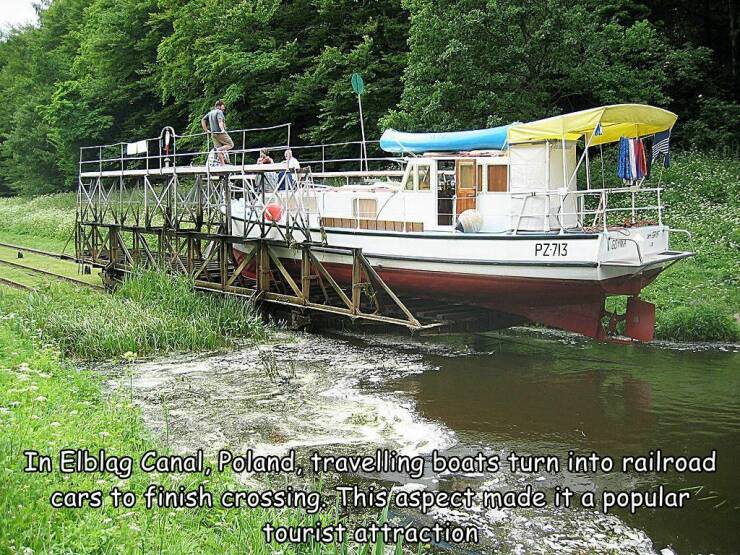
273, 212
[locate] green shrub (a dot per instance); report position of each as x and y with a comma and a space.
701, 322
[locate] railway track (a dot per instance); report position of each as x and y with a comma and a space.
14, 284
38, 251
39, 271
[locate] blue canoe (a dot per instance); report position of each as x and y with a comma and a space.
456, 141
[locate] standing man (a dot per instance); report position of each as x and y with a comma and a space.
215, 123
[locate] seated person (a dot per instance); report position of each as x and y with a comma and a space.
291, 162
264, 158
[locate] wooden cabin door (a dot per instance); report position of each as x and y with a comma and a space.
465, 185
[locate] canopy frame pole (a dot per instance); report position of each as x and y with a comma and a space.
562, 138
575, 171
578, 165
588, 171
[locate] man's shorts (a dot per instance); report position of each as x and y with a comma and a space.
222, 139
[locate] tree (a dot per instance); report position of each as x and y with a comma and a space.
476, 63
292, 65
111, 95
32, 61
103, 71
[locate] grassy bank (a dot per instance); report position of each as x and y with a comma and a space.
698, 299
150, 313
47, 405
39, 222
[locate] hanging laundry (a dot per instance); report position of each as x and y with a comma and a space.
662, 145
624, 169
640, 161
633, 159
632, 164
648, 158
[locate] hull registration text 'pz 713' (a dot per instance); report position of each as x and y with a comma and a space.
551, 249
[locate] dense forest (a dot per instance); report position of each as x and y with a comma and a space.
94, 71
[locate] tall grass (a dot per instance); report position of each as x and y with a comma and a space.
699, 299
51, 216
150, 313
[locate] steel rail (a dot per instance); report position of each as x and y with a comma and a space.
51, 274
14, 284
38, 251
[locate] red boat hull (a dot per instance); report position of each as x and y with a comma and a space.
572, 305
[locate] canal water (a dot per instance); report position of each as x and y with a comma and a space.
546, 395
540, 394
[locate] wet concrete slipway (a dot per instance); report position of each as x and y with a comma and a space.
495, 392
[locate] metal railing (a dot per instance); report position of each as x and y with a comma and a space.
170, 150
624, 204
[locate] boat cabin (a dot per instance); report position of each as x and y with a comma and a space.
518, 178
437, 187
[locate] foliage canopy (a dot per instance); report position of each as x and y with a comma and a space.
109, 70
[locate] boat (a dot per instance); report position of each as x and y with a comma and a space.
508, 219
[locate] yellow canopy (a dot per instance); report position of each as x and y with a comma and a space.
618, 120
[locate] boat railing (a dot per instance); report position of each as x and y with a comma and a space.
170, 151
593, 208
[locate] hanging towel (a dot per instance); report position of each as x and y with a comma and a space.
640, 162
623, 163
644, 161
633, 163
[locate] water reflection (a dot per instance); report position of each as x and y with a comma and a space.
549, 396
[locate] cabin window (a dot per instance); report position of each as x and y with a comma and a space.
408, 185
466, 174
498, 179
422, 177
365, 208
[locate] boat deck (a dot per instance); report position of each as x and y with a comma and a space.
231, 169
218, 170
